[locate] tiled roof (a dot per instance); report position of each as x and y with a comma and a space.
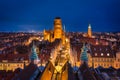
86, 73
13, 57
101, 51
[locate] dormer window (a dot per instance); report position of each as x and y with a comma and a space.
95, 54
108, 54
101, 54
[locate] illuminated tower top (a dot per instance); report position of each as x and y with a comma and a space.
58, 28
89, 31
57, 23
89, 26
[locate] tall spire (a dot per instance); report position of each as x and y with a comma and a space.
89, 31
84, 56
33, 55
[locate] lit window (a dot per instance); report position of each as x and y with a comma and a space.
108, 54
101, 54
95, 54
116, 65
104, 65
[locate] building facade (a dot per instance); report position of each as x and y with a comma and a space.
103, 56
12, 65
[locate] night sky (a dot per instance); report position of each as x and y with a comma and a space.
28, 15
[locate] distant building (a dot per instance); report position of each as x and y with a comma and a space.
89, 31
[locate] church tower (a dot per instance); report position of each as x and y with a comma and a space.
89, 31
58, 28
56, 33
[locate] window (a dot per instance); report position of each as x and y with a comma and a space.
116, 65
95, 54
108, 54
104, 65
102, 59
101, 54
119, 60
108, 65
111, 60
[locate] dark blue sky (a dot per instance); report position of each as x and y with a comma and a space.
27, 15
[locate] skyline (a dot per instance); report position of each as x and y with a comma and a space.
104, 16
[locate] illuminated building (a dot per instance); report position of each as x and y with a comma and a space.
56, 33
7, 65
12, 65
98, 55
89, 31
101, 55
